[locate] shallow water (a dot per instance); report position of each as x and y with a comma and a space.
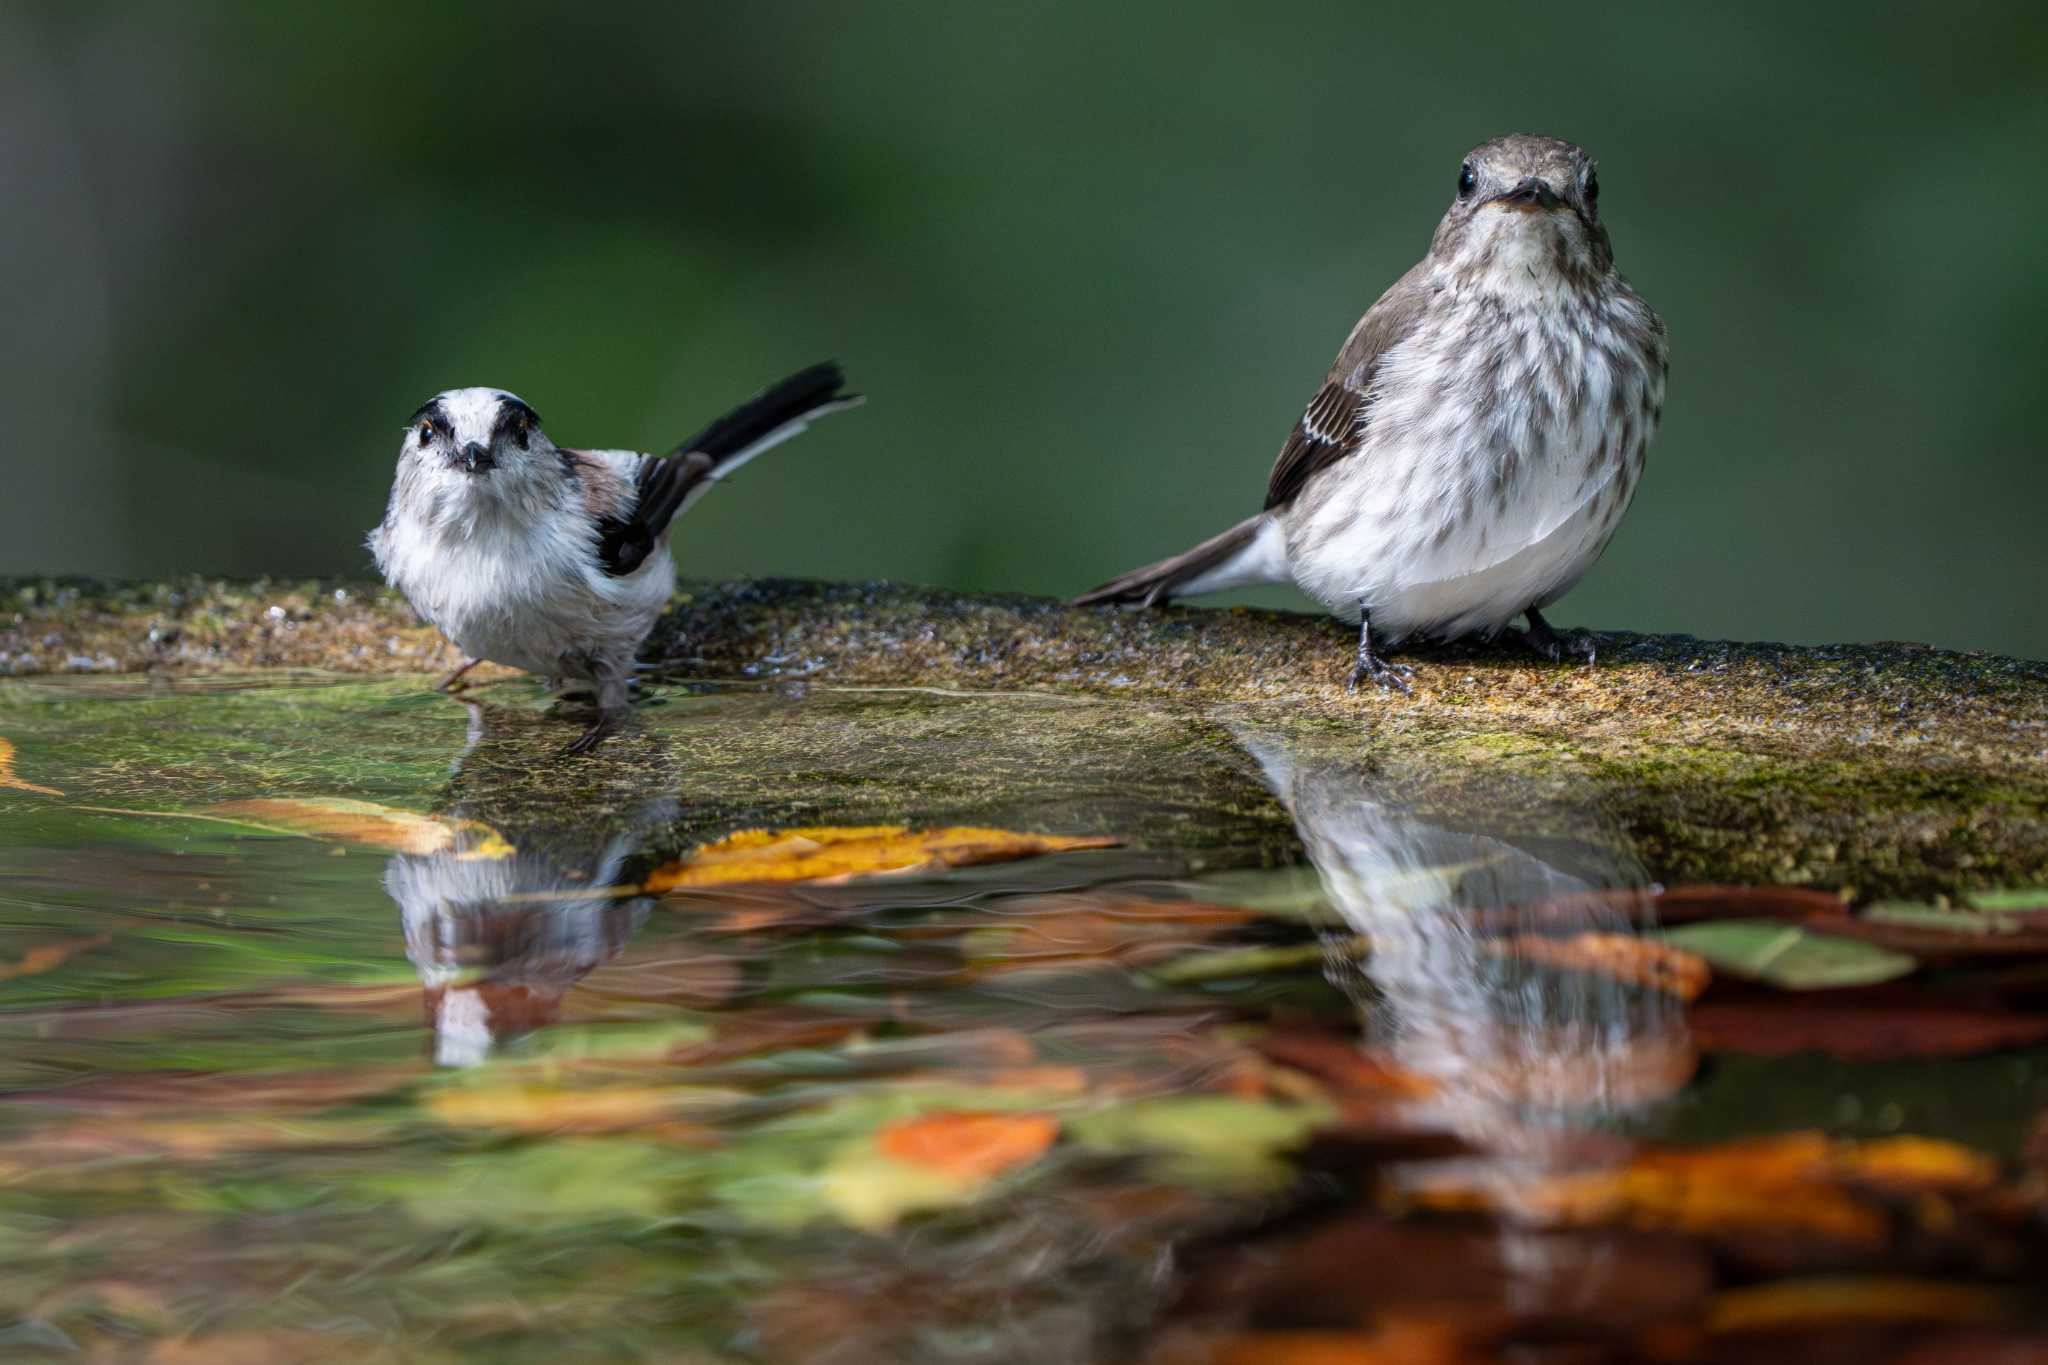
339, 1019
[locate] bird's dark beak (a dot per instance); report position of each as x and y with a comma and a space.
1532, 195
476, 458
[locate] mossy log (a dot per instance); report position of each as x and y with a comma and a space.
1876, 769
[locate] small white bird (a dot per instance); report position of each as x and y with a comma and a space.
555, 560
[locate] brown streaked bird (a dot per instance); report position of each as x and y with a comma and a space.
556, 560
1479, 437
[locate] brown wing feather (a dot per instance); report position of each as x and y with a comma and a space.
603, 492
1331, 426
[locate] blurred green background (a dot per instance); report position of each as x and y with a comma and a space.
1088, 260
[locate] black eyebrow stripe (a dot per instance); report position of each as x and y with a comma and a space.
433, 412
510, 408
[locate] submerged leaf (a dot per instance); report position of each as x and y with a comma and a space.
2024, 898
367, 824
831, 854
1913, 915
973, 1145
574, 1180
1861, 1025
50, 955
1631, 958
1205, 1139
1068, 930
937, 1160
1217, 964
1839, 1301
647, 1109
1802, 1184
9, 781
1787, 956
1391, 1342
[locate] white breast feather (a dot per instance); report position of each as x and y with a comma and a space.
1458, 514
523, 588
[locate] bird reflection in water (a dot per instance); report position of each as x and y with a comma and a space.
1519, 1054
517, 909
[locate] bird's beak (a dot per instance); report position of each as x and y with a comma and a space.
1531, 196
476, 458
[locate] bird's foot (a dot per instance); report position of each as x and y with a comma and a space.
608, 723
1557, 646
453, 683
1388, 677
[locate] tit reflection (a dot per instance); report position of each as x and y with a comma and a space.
528, 897
1513, 1047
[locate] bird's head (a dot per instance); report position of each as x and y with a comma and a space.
1526, 215
472, 443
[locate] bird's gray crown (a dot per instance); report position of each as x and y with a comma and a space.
1531, 189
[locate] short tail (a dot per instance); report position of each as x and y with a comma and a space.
1253, 551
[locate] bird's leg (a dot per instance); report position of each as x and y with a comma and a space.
614, 706
1371, 665
1543, 640
453, 682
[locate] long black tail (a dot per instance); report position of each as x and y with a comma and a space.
1157, 582
664, 488
795, 399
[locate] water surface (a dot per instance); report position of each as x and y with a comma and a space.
343, 1020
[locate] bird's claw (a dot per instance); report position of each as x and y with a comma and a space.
604, 728
1388, 677
1546, 643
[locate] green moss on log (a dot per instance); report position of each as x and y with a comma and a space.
1890, 769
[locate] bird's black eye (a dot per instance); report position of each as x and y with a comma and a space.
1467, 181
1592, 188
426, 431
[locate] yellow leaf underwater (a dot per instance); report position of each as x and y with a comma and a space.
13, 783
831, 854
368, 825
647, 1110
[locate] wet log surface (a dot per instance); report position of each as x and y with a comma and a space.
1872, 769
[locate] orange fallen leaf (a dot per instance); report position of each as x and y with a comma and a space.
13, 783
368, 824
972, 1146
1798, 1183
1624, 957
833, 854
1841, 1301
49, 955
